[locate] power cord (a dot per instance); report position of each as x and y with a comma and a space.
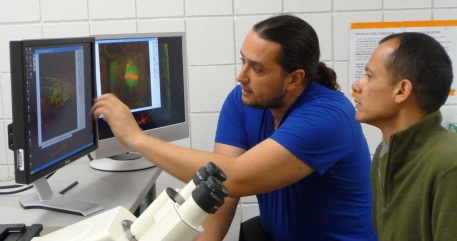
18, 185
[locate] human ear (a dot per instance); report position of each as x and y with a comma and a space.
403, 90
296, 79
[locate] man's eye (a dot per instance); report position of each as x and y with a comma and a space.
256, 69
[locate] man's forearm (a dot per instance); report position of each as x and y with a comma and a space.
180, 162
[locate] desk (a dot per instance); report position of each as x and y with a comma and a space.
110, 189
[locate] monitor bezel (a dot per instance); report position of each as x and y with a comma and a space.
17, 134
111, 146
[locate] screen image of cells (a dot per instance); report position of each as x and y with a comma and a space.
59, 91
58, 105
125, 71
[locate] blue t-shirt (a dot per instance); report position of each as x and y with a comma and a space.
332, 203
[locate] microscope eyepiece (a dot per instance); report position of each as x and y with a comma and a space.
216, 171
217, 187
209, 195
210, 169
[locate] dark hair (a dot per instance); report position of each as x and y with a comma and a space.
299, 48
423, 61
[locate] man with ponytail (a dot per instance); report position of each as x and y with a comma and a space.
285, 134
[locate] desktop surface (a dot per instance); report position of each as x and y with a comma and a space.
110, 189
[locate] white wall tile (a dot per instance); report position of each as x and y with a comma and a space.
257, 6
57, 10
357, 5
210, 41
19, 11
329, 64
249, 211
5, 86
407, 15
15, 32
3, 144
1, 97
112, 9
113, 27
294, 6
61, 30
160, 8
161, 25
449, 115
10, 172
204, 97
405, 4
203, 131
6, 157
342, 25
444, 3
208, 7
165, 181
4, 173
249, 199
444, 14
373, 136
342, 76
322, 24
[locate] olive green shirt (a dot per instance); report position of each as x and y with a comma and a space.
414, 183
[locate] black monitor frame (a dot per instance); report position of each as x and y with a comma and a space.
19, 139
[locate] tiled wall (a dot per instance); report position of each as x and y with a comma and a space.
215, 31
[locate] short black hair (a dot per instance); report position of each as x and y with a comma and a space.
422, 60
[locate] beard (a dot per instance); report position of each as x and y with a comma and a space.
275, 100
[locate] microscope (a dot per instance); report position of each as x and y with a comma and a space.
173, 215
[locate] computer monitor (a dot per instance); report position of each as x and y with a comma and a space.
147, 72
53, 92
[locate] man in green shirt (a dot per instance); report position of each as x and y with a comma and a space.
414, 169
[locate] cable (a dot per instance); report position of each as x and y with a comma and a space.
11, 186
16, 191
20, 190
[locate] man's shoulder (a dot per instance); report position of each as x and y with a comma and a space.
323, 97
442, 150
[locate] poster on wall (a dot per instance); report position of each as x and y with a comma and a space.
365, 36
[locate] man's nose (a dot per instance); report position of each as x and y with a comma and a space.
242, 76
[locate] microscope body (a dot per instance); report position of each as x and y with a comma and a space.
173, 215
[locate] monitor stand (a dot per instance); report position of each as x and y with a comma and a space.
122, 163
45, 198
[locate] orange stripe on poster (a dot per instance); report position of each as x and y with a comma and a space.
375, 25
432, 23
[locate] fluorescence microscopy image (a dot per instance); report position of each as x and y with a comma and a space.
125, 71
58, 104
